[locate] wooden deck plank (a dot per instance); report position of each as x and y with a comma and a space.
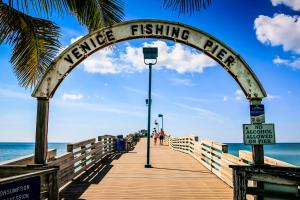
174, 175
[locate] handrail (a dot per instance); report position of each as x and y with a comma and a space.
131, 140
215, 157
80, 156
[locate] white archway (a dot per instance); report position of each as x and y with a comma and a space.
148, 28
218, 51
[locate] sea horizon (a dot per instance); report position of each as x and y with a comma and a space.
284, 151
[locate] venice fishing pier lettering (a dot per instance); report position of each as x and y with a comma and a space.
148, 30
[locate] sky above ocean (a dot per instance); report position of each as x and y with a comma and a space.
106, 93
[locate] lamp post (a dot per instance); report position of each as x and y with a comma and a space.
162, 120
157, 124
150, 54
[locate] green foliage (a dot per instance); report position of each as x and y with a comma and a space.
186, 6
35, 41
97, 13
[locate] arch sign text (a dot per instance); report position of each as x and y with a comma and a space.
176, 32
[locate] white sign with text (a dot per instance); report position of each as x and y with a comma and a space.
259, 134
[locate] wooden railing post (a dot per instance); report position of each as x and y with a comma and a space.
239, 185
41, 138
83, 160
53, 186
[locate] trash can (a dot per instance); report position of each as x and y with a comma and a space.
120, 143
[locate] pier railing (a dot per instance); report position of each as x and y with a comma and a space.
215, 157
81, 156
131, 140
62, 169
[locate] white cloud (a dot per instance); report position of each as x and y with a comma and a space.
280, 61
239, 95
294, 4
103, 62
69, 96
271, 97
225, 98
294, 63
279, 30
75, 39
176, 57
182, 81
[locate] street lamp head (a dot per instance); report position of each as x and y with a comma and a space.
150, 53
160, 115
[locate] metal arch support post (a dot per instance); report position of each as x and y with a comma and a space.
41, 138
257, 150
148, 165
258, 154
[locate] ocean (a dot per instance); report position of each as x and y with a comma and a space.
288, 152
12, 150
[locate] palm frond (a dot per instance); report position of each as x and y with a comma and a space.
186, 6
35, 43
41, 7
96, 14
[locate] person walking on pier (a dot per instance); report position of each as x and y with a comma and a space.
155, 136
161, 137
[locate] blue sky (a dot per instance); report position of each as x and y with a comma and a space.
106, 94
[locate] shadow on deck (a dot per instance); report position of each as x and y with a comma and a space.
93, 175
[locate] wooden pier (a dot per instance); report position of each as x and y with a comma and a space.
174, 176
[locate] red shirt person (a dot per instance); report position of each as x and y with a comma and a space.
161, 136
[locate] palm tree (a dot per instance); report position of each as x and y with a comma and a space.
186, 6
35, 40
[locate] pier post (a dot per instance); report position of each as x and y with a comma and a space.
258, 154
41, 137
257, 150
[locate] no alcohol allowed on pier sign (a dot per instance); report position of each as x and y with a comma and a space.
259, 134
